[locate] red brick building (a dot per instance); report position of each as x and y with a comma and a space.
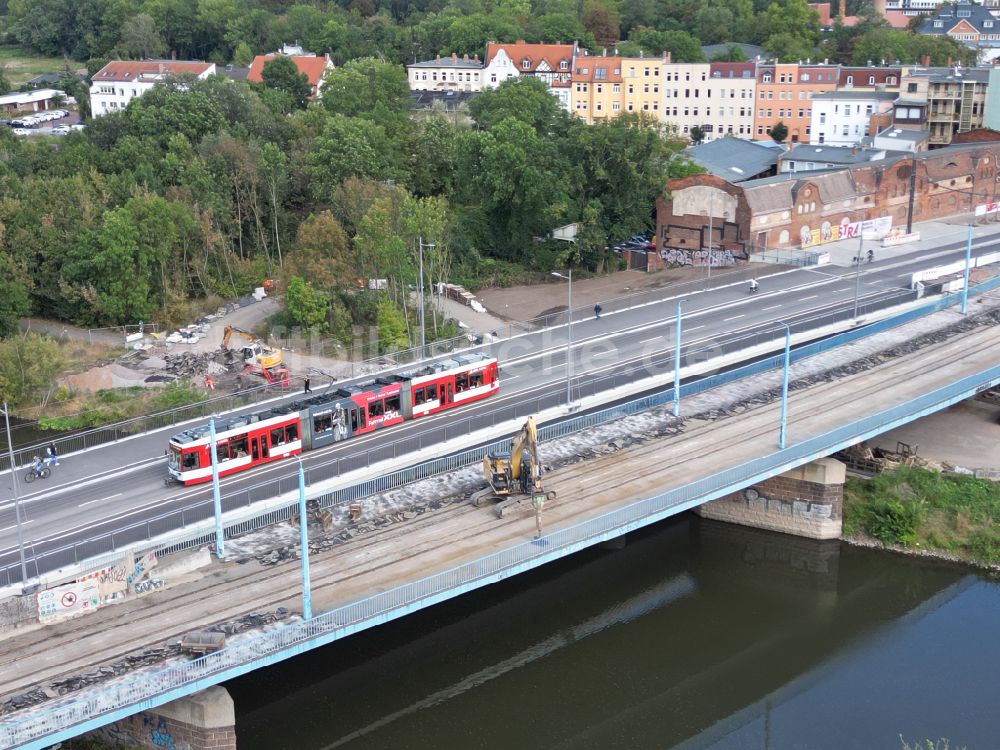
805, 209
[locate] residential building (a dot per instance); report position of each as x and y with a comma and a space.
869, 78
552, 63
944, 101
716, 97
969, 23
596, 93
121, 81
843, 118
32, 101
900, 139
806, 157
314, 67
446, 74
784, 94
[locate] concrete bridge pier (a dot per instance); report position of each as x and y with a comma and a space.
807, 501
203, 721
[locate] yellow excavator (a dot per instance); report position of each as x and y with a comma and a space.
514, 476
256, 354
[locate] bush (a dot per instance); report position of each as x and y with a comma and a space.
892, 521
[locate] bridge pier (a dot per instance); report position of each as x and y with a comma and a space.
807, 501
203, 721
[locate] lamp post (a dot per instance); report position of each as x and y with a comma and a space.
304, 541
784, 387
17, 500
677, 363
220, 545
968, 262
857, 282
711, 210
422, 245
569, 334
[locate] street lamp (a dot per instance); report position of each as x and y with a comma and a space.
422, 245
784, 386
304, 542
857, 262
569, 335
711, 210
17, 501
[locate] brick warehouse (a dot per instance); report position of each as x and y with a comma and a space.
805, 209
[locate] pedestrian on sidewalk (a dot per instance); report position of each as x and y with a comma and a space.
51, 455
597, 312
305, 386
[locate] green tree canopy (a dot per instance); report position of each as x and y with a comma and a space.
281, 74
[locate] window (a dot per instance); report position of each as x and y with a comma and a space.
191, 461
871, 80
615, 106
891, 80
376, 408
804, 78
278, 436
432, 392
616, 88
563, 65
392, 404
822, 118
850, 80
911, 88
767, 78
526, 64
291, 433
461, 382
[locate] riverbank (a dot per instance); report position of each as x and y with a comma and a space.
921, 512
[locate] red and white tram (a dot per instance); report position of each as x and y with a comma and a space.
254, 439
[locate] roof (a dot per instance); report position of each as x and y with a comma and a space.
732, 70
313, 66
897, 19
734, 159
597, 69
904, 134
950, 16
27, 97
131, 70
952, 75
535, 54
454, 61
832, 154
752, 51
777, 193
852, 94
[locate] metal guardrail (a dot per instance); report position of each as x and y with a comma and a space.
176, 680
103, 547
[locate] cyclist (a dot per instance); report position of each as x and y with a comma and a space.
753, 286
37, 465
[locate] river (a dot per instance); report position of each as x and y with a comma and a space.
695, 635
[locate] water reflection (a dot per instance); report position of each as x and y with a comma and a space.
696, 634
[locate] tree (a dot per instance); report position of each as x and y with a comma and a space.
140, 38
697, 135
733, 53
350, 146
281, 74
788, 28
305, 306
602, 19
28, 363
243, 55
778, 132
682, 46
322, 253
365, 86
525, 98
13, 297
391, 327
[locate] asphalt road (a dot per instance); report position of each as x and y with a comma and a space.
113, 487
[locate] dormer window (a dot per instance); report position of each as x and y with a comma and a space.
767, 78
564, 65
850, 80
939, 24
987, 24
964, 13
871, 80
526, 64
891, 80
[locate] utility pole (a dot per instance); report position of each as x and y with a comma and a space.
782, 430
569, 335
220, 544
421, 245
677, 363
913, 190
17, 500
711, 210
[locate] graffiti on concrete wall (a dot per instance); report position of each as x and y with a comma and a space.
159, 733
679, 257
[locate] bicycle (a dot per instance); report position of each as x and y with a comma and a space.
45, 472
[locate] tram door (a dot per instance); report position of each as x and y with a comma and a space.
254, 450
263, 445
450, 393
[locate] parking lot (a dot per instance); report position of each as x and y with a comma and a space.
46, 122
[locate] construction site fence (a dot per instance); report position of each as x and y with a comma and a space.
101, 548
138, 425
159, 685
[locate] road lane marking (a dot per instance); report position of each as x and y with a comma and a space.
23, 523
772, 307
655, 338
91, 502
803, 299
735, 317
695, 328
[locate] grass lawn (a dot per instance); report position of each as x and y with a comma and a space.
23, 65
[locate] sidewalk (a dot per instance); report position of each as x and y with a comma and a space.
933, 234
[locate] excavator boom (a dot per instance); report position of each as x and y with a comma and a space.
515, 476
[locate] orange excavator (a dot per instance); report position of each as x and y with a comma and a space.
258, 357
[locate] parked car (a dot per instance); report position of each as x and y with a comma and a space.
60, 130
78, 126
21, 131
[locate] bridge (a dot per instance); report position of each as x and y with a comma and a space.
458, 548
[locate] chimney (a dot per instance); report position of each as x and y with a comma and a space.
475, 57
604, 51
666, 56
465, 57
854, 150
454, 57
843, 8
925, 61
437, 58
520, 41
949, 62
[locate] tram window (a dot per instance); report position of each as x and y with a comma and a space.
418, 396
277, 436
222, 452
291, 433
461, 381
355, 417
323, 423
432, 393
392, 403
191, 461
238, 447
376, 409
476, 379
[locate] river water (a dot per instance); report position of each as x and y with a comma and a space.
695, 635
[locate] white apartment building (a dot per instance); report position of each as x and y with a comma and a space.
121, 81
842, 118
717, 97
446, 74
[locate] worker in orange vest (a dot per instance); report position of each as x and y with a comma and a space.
208, 383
